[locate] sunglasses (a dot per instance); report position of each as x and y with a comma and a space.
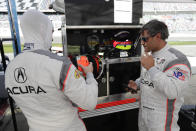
145, 39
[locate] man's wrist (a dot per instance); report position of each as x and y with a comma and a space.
149, 67
89, 74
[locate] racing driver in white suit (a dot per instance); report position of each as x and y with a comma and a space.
45, 86
164, 77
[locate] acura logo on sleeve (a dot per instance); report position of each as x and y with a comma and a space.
20, 75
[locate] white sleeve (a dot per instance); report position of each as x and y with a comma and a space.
173, 81
81, 92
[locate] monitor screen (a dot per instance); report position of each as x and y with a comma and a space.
103, 12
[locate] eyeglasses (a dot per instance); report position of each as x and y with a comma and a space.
145, 39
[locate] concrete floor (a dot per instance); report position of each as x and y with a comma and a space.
7, 124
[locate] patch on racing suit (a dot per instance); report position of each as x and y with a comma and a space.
160, 60
150, 84
179, 73
77, 74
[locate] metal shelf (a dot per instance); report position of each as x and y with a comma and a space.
104, 27
109, 110
112, 109
122, 60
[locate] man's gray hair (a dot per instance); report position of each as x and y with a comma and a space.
155, 26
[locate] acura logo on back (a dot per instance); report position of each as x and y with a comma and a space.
19, 75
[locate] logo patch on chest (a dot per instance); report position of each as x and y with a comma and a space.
160, 60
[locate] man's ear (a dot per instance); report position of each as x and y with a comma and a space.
158, 35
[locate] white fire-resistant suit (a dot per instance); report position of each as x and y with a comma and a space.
45, 86
162, 88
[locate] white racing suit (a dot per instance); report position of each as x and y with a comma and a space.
47, 87
162, 89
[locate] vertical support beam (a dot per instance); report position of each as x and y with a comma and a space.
11, 6
108, 76
64, 35
64, 39
12, 13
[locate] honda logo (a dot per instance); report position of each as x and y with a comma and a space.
19, 75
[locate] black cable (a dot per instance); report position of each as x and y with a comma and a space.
2, 55
4, 68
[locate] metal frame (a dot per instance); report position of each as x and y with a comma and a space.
108, 98
112, 109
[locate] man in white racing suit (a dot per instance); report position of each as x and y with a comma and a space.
48, 88
164, 77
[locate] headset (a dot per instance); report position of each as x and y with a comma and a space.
85, 60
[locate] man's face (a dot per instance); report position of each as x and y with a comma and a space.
148, 42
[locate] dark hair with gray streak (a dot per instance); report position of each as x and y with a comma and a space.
154, 26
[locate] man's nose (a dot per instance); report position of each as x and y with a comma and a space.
142, 42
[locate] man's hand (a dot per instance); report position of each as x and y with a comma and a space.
88, 68
132, 86
147, 61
